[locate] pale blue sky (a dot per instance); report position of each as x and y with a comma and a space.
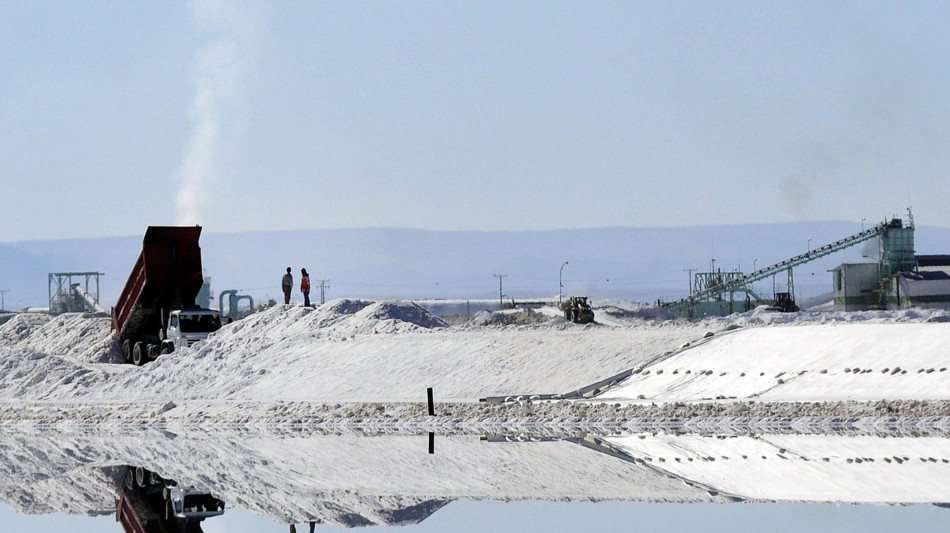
468, 115
571, 517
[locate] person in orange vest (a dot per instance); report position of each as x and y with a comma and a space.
305, 286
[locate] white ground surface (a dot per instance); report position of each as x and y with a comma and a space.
343, 351
827, 362
361, 351
802, 467
351, 351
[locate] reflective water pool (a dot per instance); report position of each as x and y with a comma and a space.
266, 480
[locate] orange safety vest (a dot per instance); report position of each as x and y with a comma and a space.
305, 283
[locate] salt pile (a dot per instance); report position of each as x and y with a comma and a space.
363, 351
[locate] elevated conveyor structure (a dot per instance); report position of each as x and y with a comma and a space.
69, 296
738, 282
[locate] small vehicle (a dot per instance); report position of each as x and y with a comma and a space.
784, 303
577, 310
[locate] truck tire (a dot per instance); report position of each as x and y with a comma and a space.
138, 354
152, 351
141, 477
167, 349
127, 350
129, 479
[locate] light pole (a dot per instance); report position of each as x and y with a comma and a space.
809, 244
755, 261
560, 283
862, 223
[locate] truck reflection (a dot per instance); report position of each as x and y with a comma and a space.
148, 503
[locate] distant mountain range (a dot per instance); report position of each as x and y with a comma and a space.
632, 263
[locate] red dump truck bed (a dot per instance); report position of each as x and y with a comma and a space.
167, 274
126, 514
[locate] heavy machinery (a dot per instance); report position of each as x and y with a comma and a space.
577, 310
156, 312
784, 303
148, 503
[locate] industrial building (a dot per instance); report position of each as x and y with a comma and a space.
927, 287
860, 286
898, 279
855, 286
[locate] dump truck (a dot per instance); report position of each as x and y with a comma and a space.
156, 312
148, 503
577, 310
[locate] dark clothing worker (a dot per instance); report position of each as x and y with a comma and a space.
287, 284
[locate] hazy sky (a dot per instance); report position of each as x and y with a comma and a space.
468, 115
570, 517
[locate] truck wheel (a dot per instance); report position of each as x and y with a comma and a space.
152, 351
138, 355
127, 350
167, 349
129, 479
141, 477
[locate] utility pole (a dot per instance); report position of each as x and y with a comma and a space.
2, 293
501, 295
323, 290
690, 271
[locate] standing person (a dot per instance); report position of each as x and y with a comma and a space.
305, 286
286, 284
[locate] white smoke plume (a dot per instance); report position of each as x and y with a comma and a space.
219, 76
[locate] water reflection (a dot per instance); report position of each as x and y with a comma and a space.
355, 480
801, 468
146, 503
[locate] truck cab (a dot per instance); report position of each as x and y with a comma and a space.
188, 326
148, 503
192, 504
